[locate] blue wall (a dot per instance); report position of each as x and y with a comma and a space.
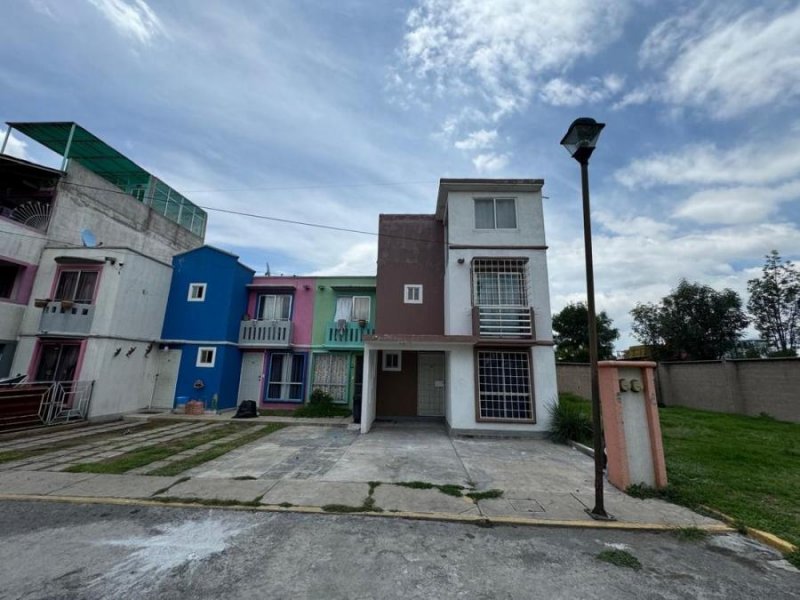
211, 322
217, 318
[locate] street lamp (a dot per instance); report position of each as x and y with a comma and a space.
580, 141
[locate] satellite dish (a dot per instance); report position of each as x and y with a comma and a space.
88, 238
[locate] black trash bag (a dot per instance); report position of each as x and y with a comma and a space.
247, 410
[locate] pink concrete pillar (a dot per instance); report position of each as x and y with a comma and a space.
630, 422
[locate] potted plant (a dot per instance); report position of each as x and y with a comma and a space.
362, 323
41, 302
67, 304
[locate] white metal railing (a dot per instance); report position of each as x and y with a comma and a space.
32, 403
265, 333
504, 321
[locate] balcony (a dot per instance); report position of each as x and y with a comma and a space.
503, 322
349, 336
66, 318
265, 334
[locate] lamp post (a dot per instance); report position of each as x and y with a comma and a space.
580, 141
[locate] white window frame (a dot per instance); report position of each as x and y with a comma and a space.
407, 293
398, 354
204, 364
261, 300
494, 213
191, 297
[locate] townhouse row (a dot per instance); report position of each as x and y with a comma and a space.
119, 296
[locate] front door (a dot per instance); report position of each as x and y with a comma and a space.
251, 377
430, 384
58, 361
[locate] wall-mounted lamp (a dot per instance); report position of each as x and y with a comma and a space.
111, 260
461, 261
148, 349
306, 287
130, 351
117, 351
320, 288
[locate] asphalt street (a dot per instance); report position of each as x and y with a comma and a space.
54, 550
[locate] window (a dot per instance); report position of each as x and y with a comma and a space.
58, 361
206, 356
352, 308
495, 213
77, 286
285, 382
499, 282
274, 307
392, 361
412, 293
197, 292
504, 386
8, 277
331, 372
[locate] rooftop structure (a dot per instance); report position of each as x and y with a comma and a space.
73, 142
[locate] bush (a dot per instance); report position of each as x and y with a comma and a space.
320, 397
569, 422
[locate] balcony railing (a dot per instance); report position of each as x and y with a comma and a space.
34, 403
66, 317
503, 322
348, 334
265, 334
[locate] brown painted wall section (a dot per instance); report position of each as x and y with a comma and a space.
405, 256
397, 390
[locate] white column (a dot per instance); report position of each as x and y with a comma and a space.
368, 389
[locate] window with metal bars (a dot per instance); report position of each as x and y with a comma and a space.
499, 282
504, 386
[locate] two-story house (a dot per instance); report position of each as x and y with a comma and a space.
199, 343
463, 331
275, 338
344, 312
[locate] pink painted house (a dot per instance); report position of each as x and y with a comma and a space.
275, 338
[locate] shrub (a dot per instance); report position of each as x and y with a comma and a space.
320, 397
569, 422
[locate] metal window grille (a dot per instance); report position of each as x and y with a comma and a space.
499, 282
504, 385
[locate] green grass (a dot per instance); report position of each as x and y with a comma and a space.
308, 411
148, 454
448, 488
744, 467
486, 495
620, 558
51, 446
690, 534
570, 420
198, 459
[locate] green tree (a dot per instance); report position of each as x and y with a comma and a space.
775, 304
571, 334
694, 322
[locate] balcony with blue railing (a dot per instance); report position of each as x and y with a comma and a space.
347, 334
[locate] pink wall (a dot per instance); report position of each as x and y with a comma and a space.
24, 286
303, 291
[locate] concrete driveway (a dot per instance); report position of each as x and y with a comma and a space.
539, 479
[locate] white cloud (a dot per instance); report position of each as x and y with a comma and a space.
753, 163
726, 62
17, 147
560, 92
133, 18
734, 205
490, 162
477, 140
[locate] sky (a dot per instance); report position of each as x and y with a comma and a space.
336, 112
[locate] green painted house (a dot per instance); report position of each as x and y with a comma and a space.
344, 311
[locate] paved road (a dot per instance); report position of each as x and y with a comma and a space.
50, 550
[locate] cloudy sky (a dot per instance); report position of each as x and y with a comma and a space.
334, 112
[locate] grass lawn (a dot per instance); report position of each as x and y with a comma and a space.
745, 467
148, 454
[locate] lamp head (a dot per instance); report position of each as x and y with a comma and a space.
581, 138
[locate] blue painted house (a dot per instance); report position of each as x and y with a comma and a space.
207, 301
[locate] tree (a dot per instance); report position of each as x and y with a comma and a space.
694, 322
775, 304
571, 334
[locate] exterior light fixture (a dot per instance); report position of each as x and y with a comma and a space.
580, 141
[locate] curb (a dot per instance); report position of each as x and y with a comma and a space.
440, 517
764, 537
